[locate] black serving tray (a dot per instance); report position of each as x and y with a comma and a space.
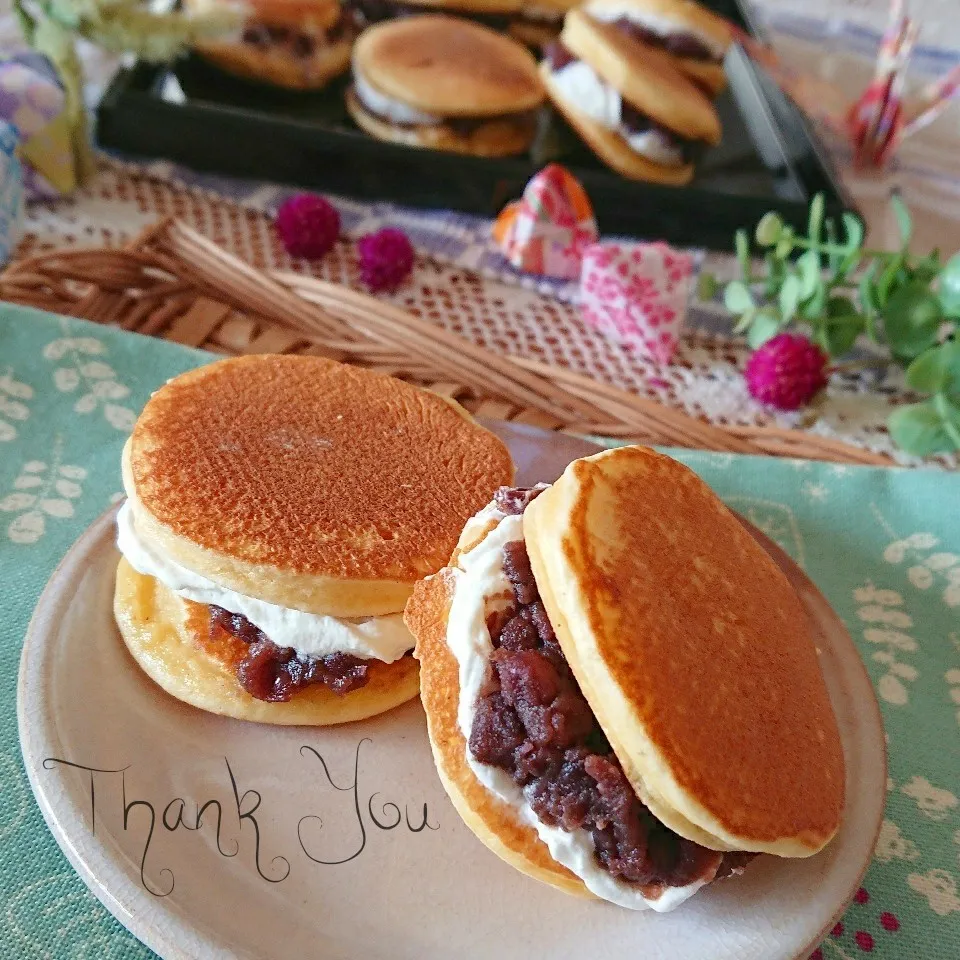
193, 114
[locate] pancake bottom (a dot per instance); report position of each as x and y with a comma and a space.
494, 822
164, 633
497, 137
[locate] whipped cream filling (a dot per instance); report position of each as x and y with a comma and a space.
393, 110
660, 25
480, 588
309, 634
584, 89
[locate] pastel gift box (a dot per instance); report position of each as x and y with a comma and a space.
546, 232
637, 294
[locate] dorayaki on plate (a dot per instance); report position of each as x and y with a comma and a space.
631, 105
447, 84
279, 511
294, 44
623, 694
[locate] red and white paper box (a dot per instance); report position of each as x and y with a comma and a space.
546, 231
637, 293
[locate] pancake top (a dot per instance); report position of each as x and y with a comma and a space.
645, 77
694, 652
449, 67
304, 465
294, 14
680, 13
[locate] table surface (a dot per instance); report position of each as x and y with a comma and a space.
883, 545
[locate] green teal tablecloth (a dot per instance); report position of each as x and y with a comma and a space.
883, 545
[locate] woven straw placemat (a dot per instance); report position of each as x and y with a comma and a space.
174, 283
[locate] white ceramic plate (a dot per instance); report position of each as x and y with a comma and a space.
322, 850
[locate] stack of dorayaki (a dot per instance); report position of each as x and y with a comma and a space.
633, 78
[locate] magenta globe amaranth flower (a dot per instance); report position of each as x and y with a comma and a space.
308, 226
786, 372
386, 259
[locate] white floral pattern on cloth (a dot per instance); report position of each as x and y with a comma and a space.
776, 520
12, 407
893, 845
637, 294
933, 802
42, 490
95, 380
887, 623
926, 570
940, 889
952, 677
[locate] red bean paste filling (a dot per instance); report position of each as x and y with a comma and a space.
533, 722
679, 43
273, 673
631, 119
300, 45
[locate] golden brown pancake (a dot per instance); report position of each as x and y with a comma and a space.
612, 148
694, 652
172, 641
448, 67
646, 78
681, 15
307, 483
277, 62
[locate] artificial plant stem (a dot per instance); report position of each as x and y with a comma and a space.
851, 366
952, 432
805, 244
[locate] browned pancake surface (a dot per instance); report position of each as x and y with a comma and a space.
303, 464
449, 67
710, 645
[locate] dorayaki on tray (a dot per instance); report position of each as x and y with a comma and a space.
279, 511
629, 102
293, 44
446, 84
622, 691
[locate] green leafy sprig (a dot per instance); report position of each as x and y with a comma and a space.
826, 281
